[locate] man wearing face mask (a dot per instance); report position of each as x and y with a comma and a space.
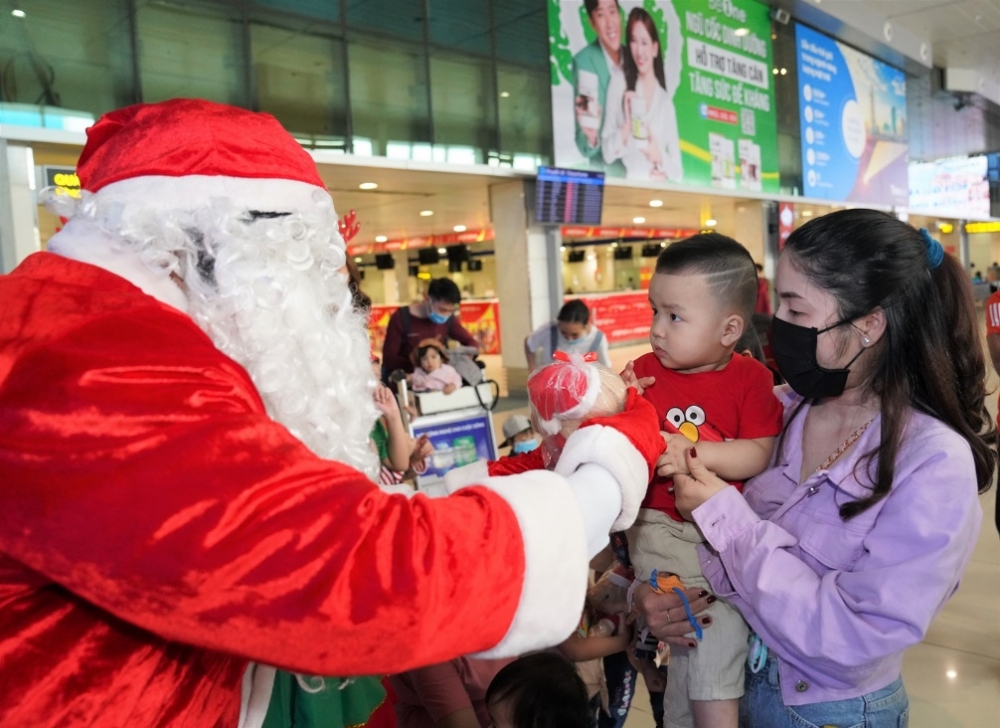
433, 318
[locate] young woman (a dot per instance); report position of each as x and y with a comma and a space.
640, 124
845, 549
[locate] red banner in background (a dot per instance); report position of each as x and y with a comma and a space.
479, 318
575, 232
621, 316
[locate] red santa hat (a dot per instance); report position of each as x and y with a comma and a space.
188, 151
566, 389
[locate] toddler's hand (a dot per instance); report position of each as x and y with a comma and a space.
422, 448
386, 402
674, 460
631, 380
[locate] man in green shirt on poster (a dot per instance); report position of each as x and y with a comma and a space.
592, 71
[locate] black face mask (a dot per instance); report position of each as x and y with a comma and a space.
794, 350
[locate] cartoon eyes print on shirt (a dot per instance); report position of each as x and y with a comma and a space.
687, 422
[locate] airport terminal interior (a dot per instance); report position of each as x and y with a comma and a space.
510, 147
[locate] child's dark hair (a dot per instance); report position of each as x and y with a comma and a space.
727, 265
423, 349
544, 691
931, 355
574, 312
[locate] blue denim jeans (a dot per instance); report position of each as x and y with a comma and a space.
762, 706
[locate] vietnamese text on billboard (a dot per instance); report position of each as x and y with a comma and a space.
675, 90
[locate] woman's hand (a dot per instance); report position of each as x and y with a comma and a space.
665, 615
653, 151
674, 460
695, 487
627, 109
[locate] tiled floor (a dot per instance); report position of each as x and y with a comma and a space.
953, 676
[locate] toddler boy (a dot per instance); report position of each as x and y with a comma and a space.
703, 295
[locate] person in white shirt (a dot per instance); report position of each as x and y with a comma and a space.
571, 332
640, 124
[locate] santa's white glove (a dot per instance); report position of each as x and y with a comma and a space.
626, 445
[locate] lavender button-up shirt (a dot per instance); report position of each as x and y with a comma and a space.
838, 601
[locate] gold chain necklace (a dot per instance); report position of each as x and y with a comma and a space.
851, 439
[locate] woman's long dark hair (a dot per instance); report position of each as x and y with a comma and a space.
638, 15
931, 355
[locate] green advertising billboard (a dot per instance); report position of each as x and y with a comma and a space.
673, 90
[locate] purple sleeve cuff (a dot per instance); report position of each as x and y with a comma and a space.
723, 517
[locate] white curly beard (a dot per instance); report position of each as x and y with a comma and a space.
270, 295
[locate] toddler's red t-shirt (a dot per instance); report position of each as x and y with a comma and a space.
734, 403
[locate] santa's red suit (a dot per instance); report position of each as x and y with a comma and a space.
161, 529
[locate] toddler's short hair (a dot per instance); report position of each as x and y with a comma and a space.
543, 690
725, 263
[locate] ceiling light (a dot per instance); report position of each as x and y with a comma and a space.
663, 244
638, 220
358, 259
368, 185
951, 674
656, 203
784, 71
380, 238
426, 213
710, 222
774, 71
442, 251
807, 213
614, 245
741, 31
505, 94
459, 228
562, 248
18, 13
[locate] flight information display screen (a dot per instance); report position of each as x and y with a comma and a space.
568, 196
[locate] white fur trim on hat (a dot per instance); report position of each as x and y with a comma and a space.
555, 561
607, 447
172, 193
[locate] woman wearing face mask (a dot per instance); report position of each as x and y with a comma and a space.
436, 317
843, 551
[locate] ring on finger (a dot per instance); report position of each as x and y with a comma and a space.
668, 617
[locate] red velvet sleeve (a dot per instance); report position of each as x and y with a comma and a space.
150, 482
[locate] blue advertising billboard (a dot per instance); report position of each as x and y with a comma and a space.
459, 437
852, 115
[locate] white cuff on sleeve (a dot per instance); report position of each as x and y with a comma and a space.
610, 449
555, 561
472, 474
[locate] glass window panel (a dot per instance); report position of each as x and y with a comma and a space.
462, 25
463, 101
402, 18
522, 31
525, 112
300, 79
193, 51
71, 55
389, 94
319, 9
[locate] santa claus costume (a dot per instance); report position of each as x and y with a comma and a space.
185, 399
